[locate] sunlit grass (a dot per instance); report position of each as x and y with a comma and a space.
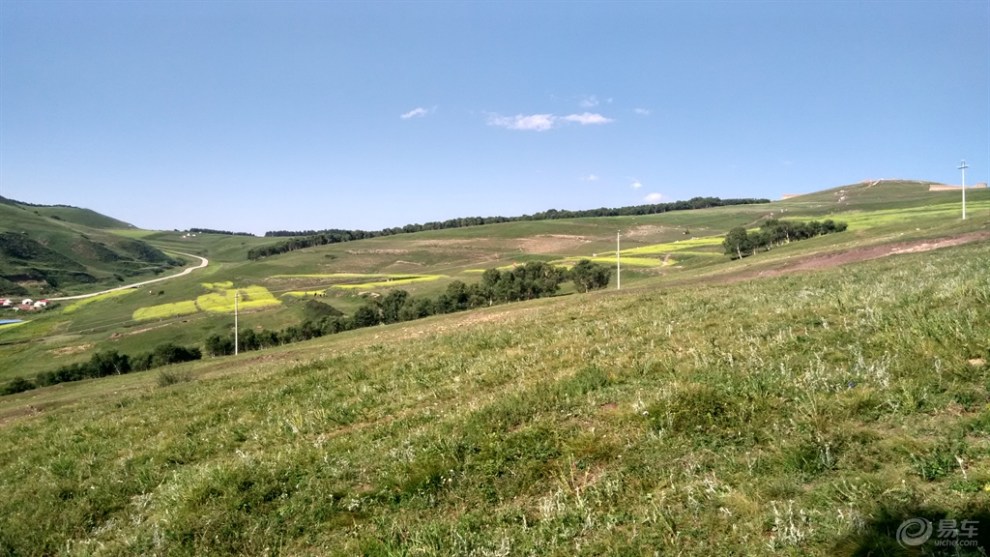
304, 293
860, 220
785, 416
162, 311
403, 279
79, 304
680, 245
333, 275
249, 297
219, 301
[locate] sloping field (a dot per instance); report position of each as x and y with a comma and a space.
220, 300
807, 414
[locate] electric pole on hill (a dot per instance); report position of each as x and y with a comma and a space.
235, 322
963, 166
618, 264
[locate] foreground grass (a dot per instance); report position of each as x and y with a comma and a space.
807, 414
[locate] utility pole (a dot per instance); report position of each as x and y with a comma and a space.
618, 263
236, 332
963, 166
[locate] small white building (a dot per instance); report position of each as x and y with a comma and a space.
6, 302
41, 304
27, 302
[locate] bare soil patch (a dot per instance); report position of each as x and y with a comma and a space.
390, 251
828, 260
69, 350
551, 243
644, 231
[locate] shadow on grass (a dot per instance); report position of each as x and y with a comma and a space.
917, 530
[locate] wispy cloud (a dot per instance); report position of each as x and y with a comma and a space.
653, 198
591, 178
543, 122
417, 112
636, 185
643, 111
587, 118
590, 101
530, 122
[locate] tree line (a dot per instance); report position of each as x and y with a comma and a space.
535, 279
102, 364
224, 232
310, 238
739, 243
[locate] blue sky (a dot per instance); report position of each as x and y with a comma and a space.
299, 115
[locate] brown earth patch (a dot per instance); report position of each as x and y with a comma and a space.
828, 260
644, 230
551, 243
69, 350
450, 243
390, 251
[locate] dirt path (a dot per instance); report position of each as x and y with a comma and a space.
835, 259
203, 262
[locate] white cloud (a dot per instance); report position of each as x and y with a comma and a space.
590, 101
591, 178
531, 122
587, 118
653, 198
417, 112
636, 185
643, 111
543, 122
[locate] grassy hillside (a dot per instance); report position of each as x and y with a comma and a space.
46, 250
808, 414
658, 250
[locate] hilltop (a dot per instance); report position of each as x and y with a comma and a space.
50, 249
805, 400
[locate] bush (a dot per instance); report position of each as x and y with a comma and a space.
590, 276
17, 385
165, 354
167, 378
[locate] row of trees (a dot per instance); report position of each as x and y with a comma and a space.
102, 364
739, 243
525, 282
224, 232
310, 238
535, 279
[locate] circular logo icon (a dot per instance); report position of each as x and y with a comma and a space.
914, 532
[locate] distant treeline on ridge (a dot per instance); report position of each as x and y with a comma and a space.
309, 238
224, 232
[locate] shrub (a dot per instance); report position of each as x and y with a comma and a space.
17, 385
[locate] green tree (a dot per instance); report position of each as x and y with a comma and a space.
366, 316
391, 305
736, 242
590, 276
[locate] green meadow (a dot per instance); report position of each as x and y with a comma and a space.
791, 402
797, 415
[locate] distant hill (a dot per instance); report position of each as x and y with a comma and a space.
45, 249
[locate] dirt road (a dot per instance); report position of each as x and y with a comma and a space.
203, 262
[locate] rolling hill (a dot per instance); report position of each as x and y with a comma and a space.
49, 249
802, 401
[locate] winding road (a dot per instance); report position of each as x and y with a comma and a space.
203, 262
